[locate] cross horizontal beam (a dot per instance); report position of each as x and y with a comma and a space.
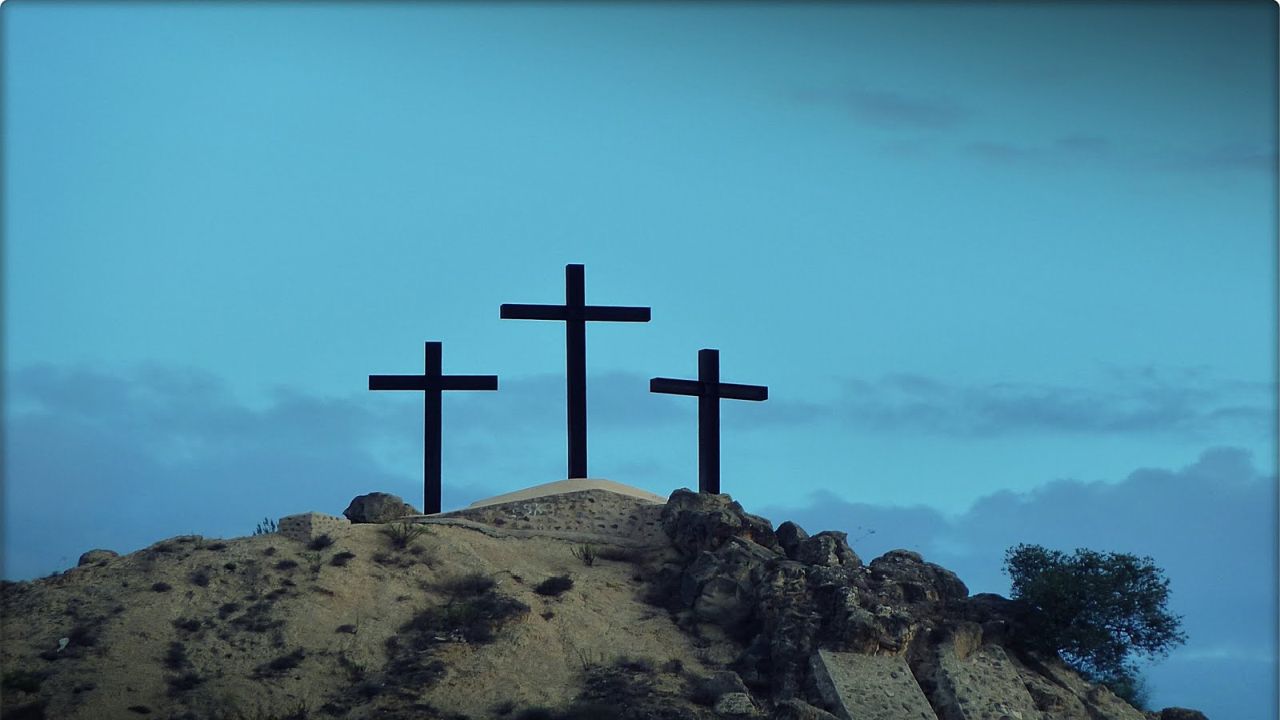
727, 391
590, 313
429, 382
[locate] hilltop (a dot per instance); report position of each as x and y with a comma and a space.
579, 600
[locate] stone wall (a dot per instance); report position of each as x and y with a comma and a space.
306, 526
628, 520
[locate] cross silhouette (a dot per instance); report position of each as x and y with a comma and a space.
709, 390
575, 314
431, 383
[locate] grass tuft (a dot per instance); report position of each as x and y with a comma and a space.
402, 534
586, 553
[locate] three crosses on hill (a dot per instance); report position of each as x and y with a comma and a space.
575, 313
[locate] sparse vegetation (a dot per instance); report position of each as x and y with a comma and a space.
200, 577
266, 527
183, 682
84, 635
286, 565
187, 624
176, 657
586, 553
320, 542
315, 561
342, 558
554, 586
20, 680
473, 612
349, 629
402, 534
468, 585
281, 664
617, 553
162, 587
226, 609
257, 618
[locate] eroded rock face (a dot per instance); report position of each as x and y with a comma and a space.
378, 507
827, 549
790, 535
905, 577
698, 521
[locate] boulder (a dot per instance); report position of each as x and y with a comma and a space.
906, 577
790, 535
735, 704
828, 548
97, 555
794, 709
701, 521
720, 683
378, 507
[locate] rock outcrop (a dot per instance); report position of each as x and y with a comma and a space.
98, 556
897, 638
378, 507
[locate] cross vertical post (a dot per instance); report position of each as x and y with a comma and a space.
709, 423
431, 384
709, 391
432, 428
575, 314
576, 368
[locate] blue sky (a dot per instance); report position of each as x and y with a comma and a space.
995, 263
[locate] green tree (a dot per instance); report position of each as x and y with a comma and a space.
1096, 610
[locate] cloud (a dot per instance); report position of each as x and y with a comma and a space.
887, 108
1083, 148
93, 459
1228, 157
1084, 144
1003, 152
897, 109
1211, 526
1190, 404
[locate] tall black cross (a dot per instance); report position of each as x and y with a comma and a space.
709, 390
432, 382
575, 314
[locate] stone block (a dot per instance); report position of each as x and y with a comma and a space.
975, 683
869, 687
305, 527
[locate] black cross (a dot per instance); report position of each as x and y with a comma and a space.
709, 390
431, 382
575, 314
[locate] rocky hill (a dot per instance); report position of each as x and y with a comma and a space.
584, 604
